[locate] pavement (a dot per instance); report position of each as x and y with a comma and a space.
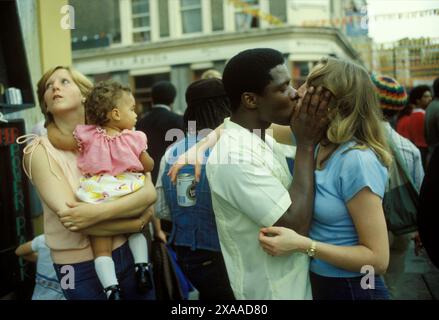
420, 280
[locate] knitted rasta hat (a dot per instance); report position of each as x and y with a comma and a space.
391, 94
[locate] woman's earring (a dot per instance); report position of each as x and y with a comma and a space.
83, 100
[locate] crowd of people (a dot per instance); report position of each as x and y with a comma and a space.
288, 191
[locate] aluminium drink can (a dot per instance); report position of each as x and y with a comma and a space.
186, 190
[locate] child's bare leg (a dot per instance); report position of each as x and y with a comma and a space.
102, 246
104, 264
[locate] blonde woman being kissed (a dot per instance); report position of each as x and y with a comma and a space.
348, 235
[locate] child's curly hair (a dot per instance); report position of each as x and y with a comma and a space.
102, 99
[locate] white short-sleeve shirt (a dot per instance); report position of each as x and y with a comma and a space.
249, 181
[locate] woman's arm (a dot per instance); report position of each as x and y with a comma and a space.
61, 140
81, 215
195, 154
58, 196
120, 226
373, 248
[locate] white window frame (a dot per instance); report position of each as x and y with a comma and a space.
201, 7
156, 20
141, 29
210, 17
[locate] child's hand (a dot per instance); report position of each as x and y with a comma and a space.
160, 235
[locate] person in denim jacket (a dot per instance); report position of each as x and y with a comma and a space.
194, 233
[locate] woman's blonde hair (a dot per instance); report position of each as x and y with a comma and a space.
83, 83
354, 111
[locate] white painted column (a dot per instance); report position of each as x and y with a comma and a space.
229, 16
154, 20
206, 16
264, 8
175, 27
126, 22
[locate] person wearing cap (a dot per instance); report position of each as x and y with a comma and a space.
194, 233
393, 98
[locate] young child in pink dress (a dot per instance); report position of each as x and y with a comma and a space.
113, 160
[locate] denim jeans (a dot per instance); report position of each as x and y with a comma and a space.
88, 287
328, 288
206, 271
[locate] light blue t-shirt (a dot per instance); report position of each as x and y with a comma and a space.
346, 173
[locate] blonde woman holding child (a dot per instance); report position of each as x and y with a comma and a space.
77, 233
113, 161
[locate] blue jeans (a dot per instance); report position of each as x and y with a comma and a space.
328, 288
88, 287
206, 271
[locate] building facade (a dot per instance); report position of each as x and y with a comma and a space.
139, 42
412, 61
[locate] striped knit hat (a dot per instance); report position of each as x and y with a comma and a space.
391, 94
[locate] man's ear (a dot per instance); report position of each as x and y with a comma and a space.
115, 114
248, 100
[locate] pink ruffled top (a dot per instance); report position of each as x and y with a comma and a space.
104, 154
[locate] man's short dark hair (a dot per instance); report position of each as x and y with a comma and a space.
163, 92
436, 87
249, 71
417, 93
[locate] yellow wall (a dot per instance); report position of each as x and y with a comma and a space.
55, 43
55, 49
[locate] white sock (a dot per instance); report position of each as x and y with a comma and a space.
139, 247
106, 271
